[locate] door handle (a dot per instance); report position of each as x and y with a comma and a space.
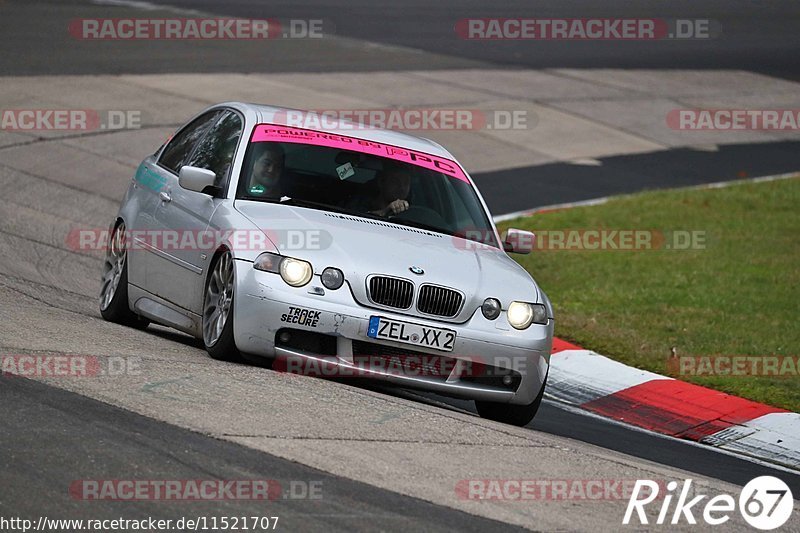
165, 197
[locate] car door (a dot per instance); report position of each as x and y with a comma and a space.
186, 214
162, 178
147, 183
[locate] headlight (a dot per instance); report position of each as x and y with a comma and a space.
332, 278
522, 314
296, 272
491, 308
268, 262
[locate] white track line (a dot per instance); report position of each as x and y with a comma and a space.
148, 6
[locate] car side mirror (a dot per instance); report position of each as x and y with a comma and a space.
197, 179
518, 241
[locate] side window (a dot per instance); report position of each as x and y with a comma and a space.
178, 149
215, 152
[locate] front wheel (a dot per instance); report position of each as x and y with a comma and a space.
218, 311
516, 415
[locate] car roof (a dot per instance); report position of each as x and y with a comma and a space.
277, 115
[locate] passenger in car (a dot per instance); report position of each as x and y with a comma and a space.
265, 179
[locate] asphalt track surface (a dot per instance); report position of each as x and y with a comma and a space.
755, 35
86, 435
557, 183
50, 437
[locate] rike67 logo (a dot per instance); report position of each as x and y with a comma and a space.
765, 503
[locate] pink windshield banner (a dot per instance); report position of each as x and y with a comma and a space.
287, 134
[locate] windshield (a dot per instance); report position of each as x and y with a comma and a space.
362, 178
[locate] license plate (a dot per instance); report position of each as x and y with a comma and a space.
395, 330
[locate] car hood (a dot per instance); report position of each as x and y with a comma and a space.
362, 246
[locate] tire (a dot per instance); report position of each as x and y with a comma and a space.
515, 415
218, 311
114, 290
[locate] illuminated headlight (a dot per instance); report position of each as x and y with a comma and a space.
294, 272
332, 278
522, 314
491, 308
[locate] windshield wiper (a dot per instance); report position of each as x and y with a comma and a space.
413, 223
265, 199
286, 200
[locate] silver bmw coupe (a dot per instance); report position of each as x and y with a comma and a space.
335, 251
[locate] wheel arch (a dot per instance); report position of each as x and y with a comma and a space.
221, 249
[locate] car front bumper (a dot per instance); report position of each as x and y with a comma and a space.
264, 306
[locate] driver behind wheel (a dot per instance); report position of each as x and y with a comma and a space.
394, 185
